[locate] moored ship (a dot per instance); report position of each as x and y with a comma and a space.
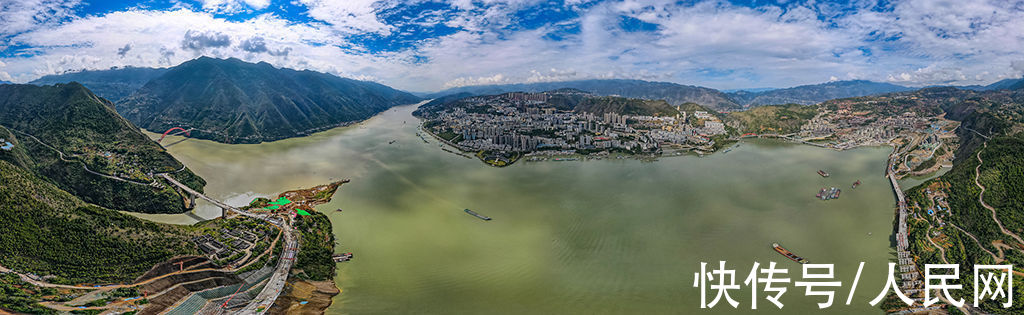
479, 216
778, 248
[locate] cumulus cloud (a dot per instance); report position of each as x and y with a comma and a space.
258, 45
929, 75
1017, 66
234, 6
468, 81
17, 16
124, 50
165, 56
349, 16
199, 41
712, 43
4, 76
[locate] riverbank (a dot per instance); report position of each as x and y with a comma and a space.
306, 297
561, 240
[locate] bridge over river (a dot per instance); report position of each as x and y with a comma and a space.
223, 206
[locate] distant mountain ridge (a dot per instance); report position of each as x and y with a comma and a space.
112, 84
677, 94
233, 101
815, 93
674, 94
566, 99
1004, 84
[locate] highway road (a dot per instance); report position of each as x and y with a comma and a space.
265, 299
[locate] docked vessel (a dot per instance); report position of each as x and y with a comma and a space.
778, 248
479, 216
343, 257
822, 173
828, 194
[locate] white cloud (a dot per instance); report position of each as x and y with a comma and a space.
168, 38
18, 16
464, 81
1017, 66
349, 16
929, 75
4, 76
711, 43
234, 6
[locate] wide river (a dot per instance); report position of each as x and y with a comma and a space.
594, 237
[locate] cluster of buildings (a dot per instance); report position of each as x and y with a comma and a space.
229, 247
847, 129
524, 122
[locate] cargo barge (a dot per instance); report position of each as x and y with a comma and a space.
479, 216
828, 194
788, 254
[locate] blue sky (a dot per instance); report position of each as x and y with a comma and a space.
430, 45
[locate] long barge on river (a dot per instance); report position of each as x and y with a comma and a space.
778, 248
479, 216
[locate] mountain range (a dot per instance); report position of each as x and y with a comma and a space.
566, 99
112, 84
229, 100
674, 94
1004, 84
815, 93
233, 101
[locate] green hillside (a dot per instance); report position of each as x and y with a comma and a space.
990, 129
778, 119
232, 101
47, 121
49, 232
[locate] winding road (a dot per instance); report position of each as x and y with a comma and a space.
981, 198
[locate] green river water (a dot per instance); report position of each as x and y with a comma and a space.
577, 237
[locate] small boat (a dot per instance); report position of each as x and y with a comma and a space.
856, 183
338, 210
392, 141
778, 248
343, 257
823, 173
479, 216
